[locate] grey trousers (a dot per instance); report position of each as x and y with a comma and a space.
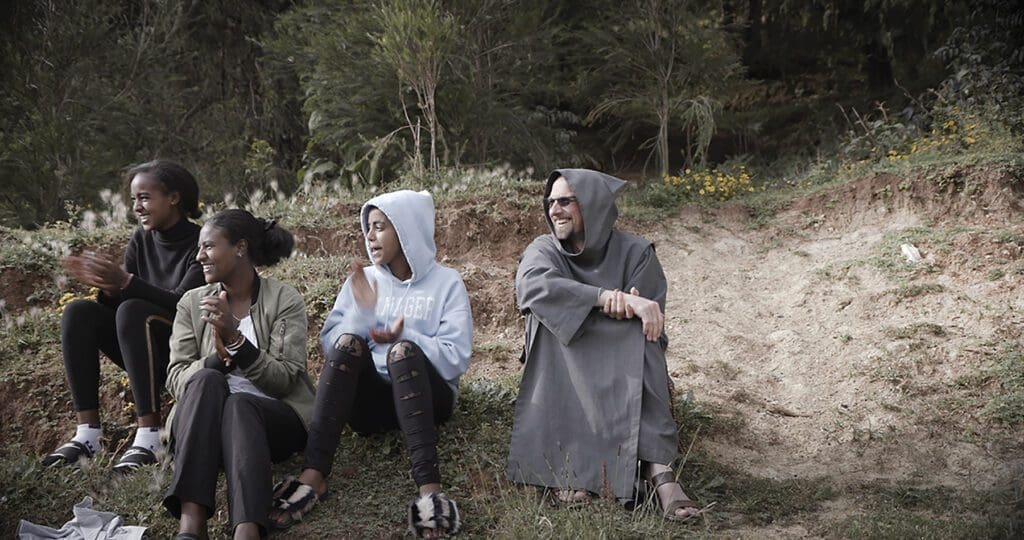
242, 432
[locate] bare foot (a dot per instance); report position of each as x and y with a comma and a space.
310, 477
573, 496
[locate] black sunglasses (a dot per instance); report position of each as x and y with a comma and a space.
564, 202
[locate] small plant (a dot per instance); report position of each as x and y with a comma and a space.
712, 185
69, 297
1007, 372
911, 290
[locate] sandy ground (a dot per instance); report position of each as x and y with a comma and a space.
815, 360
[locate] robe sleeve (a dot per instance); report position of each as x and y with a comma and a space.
649, 278
549, 293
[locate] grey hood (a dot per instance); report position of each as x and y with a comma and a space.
412, 215
595, 193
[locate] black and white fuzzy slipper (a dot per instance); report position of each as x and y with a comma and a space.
292, 501
285, 488
434, 511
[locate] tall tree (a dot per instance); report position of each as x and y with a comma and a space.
368, 71
662, 61
416, 39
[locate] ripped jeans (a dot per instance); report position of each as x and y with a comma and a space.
350, 392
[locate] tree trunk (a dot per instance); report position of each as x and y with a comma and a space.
663, 140
432, 125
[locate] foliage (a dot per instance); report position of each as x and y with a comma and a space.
875, 41
985, 58
98, 85
278, 96
349, 120
713, 185
369, 69
416, 40
661, 65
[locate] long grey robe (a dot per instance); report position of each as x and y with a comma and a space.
594, 395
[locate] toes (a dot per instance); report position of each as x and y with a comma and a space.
687, 512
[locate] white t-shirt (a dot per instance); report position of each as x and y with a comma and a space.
237, 381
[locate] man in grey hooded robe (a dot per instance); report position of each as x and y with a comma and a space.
594, 398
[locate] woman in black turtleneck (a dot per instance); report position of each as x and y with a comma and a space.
131, 320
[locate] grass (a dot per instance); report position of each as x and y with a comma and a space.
889, 258
1005, 375
915, 330
370, 484
40, 250
318, 279
651, 202
899, 510
371, 489
912, 290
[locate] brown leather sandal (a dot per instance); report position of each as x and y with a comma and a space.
668, 508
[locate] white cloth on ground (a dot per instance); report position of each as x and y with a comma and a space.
88, 524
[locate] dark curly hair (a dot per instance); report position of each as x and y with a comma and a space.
268, 243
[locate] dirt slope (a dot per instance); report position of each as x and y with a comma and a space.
835, 364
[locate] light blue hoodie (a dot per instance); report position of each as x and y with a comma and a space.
433, 301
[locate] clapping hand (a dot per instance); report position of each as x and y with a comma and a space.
217, 313
388, 335
96, 270
362, 289
366, 297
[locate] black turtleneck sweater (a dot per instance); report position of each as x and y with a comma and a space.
163, 264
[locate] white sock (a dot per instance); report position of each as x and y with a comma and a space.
89, 435
148, 438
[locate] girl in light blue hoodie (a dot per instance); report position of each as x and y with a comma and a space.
395, 344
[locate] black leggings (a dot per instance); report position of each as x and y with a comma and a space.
349, 391
135, 336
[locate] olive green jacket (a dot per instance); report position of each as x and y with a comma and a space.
279, 319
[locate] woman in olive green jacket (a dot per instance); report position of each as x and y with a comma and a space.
238, 374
